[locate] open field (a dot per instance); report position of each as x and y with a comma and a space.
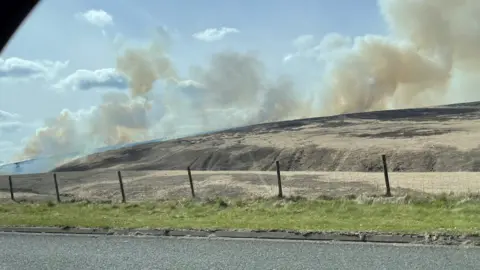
442, 139
429, 150
303, 215
159, 185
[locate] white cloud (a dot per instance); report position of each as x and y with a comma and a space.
214, 34
289, 57
17, 68
10, 127
12, 122
303, 42
9, 122
96, 17
85, 80
7, 116
328, 46
189, 84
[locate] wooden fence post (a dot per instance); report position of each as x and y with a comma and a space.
121, 186
385, 174
190, 179
56, 187
280, 191
10, 183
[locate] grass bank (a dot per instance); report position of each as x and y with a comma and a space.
437, 215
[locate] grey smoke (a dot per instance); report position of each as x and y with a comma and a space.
430, 54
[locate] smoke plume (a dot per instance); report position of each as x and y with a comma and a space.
429, 42
430, 56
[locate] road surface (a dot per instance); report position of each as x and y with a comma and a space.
27, 251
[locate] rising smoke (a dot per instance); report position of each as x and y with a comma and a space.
429, 56
429, 42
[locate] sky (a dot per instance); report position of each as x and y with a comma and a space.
61, 43
85, 74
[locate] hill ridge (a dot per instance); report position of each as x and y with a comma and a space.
440, 138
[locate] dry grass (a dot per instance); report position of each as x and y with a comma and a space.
415, 140
461, 134
154, 185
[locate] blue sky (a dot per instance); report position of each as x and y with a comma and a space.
59, 39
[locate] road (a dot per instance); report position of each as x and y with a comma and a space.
27, 251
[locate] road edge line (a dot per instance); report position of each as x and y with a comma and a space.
366, 237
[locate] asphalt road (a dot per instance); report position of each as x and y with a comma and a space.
27, 251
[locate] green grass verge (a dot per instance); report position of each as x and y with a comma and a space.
305, 215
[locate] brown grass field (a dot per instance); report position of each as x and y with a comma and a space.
437, 139
158, 185
429, 150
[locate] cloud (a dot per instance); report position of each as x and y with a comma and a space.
232, 91
329, 45
17, 68
214, 34
10, 127
303, 42
6, 116
191, 88
9, 122
96, 17
85, 80
429, 44
333, 41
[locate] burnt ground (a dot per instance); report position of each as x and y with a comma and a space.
437, 139
427, 149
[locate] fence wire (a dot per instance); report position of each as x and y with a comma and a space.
161, 185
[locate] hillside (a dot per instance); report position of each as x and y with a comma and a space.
423, 139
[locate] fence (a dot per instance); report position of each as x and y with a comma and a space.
147, 185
